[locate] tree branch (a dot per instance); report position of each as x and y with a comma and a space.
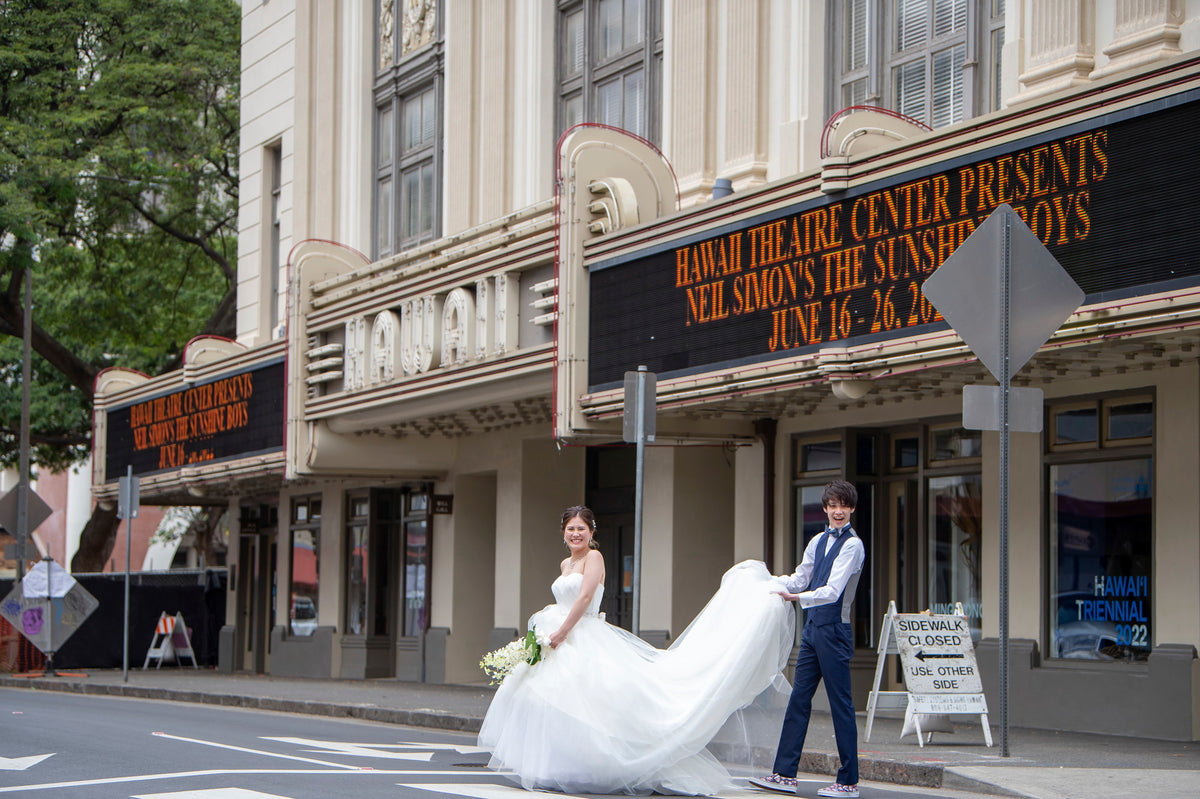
80, 373
187, 238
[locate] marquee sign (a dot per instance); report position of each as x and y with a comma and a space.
233, 416
1110, 198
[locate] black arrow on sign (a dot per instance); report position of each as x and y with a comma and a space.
923, 656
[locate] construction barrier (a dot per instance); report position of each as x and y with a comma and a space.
172, 639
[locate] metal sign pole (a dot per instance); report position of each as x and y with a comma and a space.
1005, 387
125, 632
26, 377
127, 509
639, 427
1048, 298
50, 616
638, 494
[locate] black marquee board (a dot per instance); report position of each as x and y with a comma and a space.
1114, 199
233, 416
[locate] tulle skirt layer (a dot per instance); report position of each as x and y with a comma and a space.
608, 713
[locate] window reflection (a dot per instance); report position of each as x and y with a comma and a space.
356, 585
305, 565
1100, 526
955, 532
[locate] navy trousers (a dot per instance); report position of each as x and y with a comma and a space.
824, 654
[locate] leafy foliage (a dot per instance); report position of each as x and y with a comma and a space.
118, 189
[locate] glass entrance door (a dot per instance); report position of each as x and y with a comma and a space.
255, 587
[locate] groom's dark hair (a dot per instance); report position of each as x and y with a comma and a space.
840, 491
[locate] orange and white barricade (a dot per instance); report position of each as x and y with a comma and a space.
171, 640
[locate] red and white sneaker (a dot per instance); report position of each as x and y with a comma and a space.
837, 789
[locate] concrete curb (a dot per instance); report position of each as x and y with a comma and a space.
400, 716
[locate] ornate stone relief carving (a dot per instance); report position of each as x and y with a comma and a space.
418, 25
387, 32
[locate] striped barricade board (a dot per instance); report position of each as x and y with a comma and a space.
171, 641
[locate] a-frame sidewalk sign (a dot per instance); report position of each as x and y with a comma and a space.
171, 640
937, 658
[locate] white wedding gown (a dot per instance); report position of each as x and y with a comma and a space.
606, 712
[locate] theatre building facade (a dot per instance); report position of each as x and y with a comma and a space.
418, 389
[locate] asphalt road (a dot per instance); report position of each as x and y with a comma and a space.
72, 746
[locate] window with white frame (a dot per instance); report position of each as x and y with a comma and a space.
937, 61
610, 64
408, 129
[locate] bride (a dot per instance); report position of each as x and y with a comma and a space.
604, 712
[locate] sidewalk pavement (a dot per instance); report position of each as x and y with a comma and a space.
1041, 764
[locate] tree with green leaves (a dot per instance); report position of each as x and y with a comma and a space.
118, 192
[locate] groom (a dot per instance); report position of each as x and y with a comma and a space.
823, 584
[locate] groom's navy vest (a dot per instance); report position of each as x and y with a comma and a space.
822, 566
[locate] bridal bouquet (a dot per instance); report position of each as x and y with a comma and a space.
499, 664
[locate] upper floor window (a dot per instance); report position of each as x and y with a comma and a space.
273, 166
610, 64
937, 61
408, 127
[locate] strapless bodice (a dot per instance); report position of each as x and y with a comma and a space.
566, 590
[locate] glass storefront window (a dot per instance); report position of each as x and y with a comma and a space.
305, 568
952, 443
1129, 420
812, 519
416, 566
906, 452
955, 532
819, 456
357, 571
1101, 541
865, 456
387, 585
1076, 426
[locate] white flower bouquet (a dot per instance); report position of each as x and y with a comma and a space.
499, 664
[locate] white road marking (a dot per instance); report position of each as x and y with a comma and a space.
477, 790
357, 772
212, 793
460, 748
357, 750
255, 751
21, 763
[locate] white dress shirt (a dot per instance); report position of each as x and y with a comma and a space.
846, 566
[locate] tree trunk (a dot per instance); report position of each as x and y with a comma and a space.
204, 528
96, 541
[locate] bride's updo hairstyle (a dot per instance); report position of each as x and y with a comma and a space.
588, 517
